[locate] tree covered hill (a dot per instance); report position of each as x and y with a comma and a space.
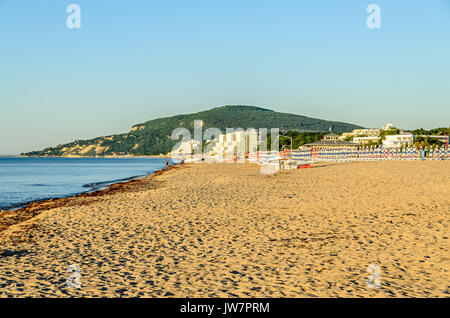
153, 137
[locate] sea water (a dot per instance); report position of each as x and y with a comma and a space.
23, 180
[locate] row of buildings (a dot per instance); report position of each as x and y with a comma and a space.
402, 138
239, 143
332, 141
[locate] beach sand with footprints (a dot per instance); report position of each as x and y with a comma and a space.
225, 230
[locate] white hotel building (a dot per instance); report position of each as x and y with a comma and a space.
397, 141
234, 144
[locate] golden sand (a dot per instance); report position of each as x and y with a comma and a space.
225, 230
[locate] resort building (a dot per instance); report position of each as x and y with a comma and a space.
360, 133
236, 143
232, 145
185, 148
397, 141
364, 136
366, 132
365, 140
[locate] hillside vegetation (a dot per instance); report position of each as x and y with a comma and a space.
153, 137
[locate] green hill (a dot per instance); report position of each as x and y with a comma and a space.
153, 137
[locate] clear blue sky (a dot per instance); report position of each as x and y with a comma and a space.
132, 61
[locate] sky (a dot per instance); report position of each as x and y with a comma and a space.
132, 61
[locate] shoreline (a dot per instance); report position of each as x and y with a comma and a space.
28, 210
89, 187
105, 185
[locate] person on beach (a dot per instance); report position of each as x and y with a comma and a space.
422, 154
167, 163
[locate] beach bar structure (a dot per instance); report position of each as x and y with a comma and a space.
329, 142
330, 148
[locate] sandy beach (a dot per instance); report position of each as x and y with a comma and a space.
225, 230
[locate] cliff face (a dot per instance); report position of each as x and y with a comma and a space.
153, 137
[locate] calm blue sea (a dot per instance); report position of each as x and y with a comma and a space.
27, 179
